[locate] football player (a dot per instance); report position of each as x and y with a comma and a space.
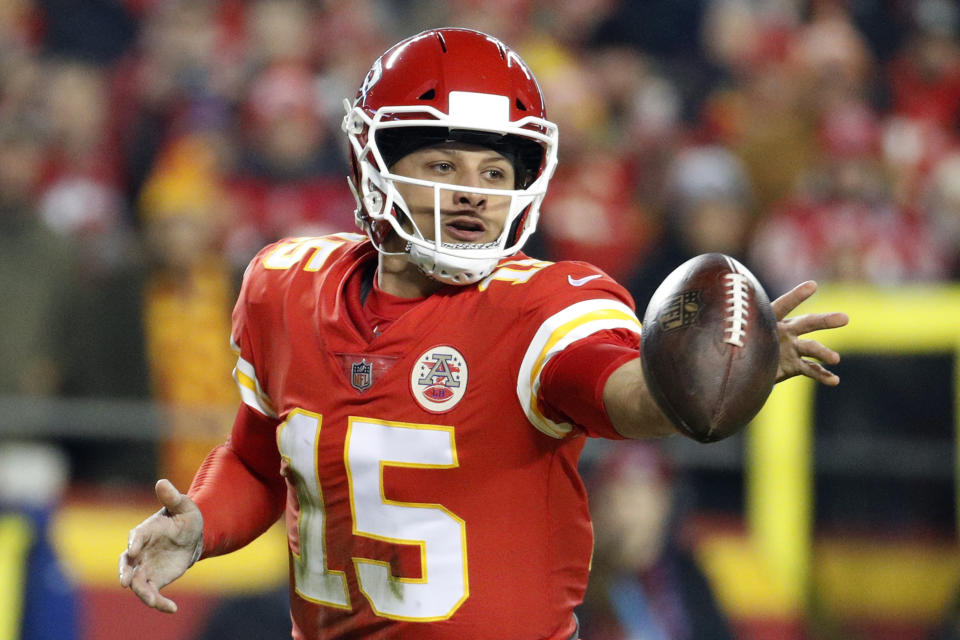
415, 399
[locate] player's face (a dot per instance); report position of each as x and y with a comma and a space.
465, 216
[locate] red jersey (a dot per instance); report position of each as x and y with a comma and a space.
428, 495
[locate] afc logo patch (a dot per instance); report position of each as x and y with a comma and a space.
439, 379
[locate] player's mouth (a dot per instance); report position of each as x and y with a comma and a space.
465, 229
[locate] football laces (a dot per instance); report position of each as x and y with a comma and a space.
737, 308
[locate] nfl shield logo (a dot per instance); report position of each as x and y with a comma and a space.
361, 375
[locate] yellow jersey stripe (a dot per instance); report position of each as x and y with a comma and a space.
250, 390
568, 338
562, 331
555, 334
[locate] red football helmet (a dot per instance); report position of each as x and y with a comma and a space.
448, 84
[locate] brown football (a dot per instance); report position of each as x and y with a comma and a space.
710, 347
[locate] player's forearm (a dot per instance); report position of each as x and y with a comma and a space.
632, 411
237, 504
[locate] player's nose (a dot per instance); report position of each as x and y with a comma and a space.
463, 195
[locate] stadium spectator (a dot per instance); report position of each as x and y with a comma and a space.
188, 295
942, 205
279, 32
590, 213
289, 175
646, 581
40, 599
709, 208
37, 271
81, 193
843, 223
185, 73
924, 76
152, 329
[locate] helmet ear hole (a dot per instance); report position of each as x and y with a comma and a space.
429, 94
374, 202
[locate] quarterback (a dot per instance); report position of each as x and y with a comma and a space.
415, 398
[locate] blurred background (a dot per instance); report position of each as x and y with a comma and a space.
148, 148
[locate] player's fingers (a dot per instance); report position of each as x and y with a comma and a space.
165, 604
792, 299
148, 593
819, 373
814, 349
170, 497
125, 569
143, 588
135, 541
818, 322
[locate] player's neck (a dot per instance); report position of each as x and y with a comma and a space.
399, 277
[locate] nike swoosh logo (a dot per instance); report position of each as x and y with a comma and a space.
579, 282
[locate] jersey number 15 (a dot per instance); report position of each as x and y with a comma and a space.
370, 446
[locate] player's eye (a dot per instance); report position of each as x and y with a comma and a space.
495, 175
442, 167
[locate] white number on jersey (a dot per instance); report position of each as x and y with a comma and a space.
370, 446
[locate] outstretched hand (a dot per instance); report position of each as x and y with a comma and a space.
800, 356
162, 547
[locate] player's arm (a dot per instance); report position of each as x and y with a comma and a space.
239, 488
237, 494
597, 383
632, 410
634, 414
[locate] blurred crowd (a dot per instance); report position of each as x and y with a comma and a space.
148, 148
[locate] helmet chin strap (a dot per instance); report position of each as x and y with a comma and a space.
455, 270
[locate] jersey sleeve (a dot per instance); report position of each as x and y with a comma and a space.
239, 489
573, 381
570, 301
276, 279
247, 312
